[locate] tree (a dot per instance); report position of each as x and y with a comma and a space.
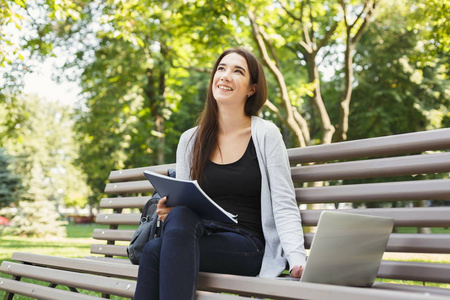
10, 183
308, 28
38, 219
401, 88
44, 153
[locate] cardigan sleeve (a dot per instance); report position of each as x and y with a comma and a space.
183, 156
284, 205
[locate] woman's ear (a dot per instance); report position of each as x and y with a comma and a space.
252, 90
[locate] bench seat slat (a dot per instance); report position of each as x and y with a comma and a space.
437, 189
107, 285
413, 288
118, 219
404, 217
288, 289
419, 271
383, 167
124, 202
398, 242
374, 147
85, 265
121, 188
114, 250
415, 243
113, 234
138, 173
40, 292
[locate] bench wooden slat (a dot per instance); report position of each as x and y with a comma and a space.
118, 219
201, 295
116, 260
412, 288
437, 189
382, 167
288, 289
412, 242
418, 271
398, 242
138, 173
114, 250
407, 243
124, 202
404, 217
107, 285
419, 243
85, 265
374, 147
40, 292
121, 188
113, 234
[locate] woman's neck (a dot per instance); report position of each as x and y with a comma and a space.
231, 122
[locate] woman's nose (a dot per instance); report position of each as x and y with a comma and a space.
225, 76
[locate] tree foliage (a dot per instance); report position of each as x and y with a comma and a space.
10, 183
401, 88
336, 69
44, 153
38, 219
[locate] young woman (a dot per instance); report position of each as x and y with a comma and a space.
241, 162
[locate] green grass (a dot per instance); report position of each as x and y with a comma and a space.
76, 244
79, 238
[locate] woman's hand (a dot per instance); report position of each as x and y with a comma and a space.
297, 271
161, 209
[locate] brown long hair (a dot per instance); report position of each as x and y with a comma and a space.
206, 139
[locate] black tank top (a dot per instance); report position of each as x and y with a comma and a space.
236, 187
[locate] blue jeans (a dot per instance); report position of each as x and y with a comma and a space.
169, 265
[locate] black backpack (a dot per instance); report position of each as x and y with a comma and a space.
149, 227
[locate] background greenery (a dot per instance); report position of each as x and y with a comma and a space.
337, 70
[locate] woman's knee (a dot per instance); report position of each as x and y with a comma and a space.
181, 218
152, 250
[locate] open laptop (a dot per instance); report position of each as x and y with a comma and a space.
347, 249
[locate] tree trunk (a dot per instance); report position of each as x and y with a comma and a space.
314, 77
344, 109
289, 119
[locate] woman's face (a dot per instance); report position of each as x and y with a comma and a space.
231, 83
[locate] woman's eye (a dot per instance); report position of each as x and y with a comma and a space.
220, 68
240, 72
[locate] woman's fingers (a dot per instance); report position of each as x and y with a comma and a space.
161, 209
297, 271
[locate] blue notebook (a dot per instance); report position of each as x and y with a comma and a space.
189, 193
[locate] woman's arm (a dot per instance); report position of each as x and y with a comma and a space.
284, 204
184, 150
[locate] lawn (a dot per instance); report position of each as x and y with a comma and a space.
76, 244
79, 238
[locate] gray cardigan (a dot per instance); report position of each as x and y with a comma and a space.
280, 215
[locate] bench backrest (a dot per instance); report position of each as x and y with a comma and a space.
374, 172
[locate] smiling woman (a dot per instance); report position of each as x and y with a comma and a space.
241, 162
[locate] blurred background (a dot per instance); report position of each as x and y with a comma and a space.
92, 86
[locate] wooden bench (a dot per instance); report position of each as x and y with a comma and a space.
376, 170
